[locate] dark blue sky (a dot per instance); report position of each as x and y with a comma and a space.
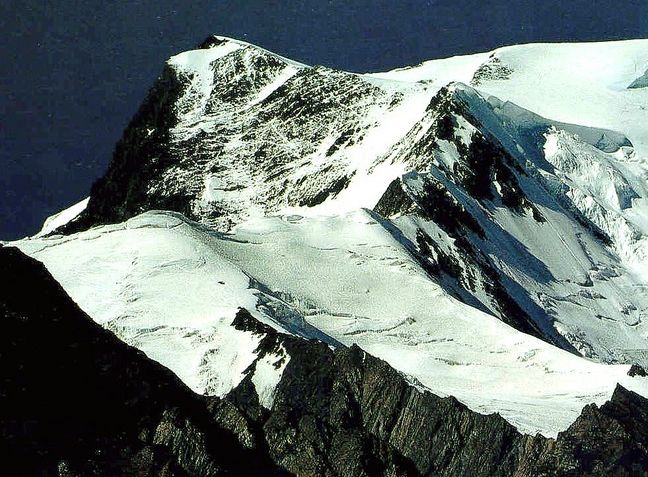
73, 72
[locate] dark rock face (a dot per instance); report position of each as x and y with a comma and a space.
641, 82
610, 440
75, 401
141, 153
346, 413
636, 370
493, 69
466, 266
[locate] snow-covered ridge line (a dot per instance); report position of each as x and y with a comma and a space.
590, 84
63, 217
463, 60
243, 43
406, 73
346, 276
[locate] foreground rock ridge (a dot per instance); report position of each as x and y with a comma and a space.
293, 270
335, 412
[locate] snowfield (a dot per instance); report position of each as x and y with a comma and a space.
160, 291
172, 288
579, 83
478, 222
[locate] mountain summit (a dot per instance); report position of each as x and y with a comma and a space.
476, 225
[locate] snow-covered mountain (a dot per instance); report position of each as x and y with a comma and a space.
477, 222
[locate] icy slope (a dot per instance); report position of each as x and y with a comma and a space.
156, 283
172, 288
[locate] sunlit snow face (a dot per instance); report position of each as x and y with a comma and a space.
346, 276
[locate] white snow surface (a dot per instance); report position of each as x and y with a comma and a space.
171, 288
267, 374
437, 73
358, 284
61, 218
155, 283
579, 83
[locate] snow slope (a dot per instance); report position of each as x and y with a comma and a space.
353, 280
171, 288
579, 83
437, 72
155, 282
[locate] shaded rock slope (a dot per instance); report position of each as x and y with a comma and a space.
77, 401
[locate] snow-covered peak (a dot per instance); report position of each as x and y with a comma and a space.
214, 47
455, 213
215, 41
